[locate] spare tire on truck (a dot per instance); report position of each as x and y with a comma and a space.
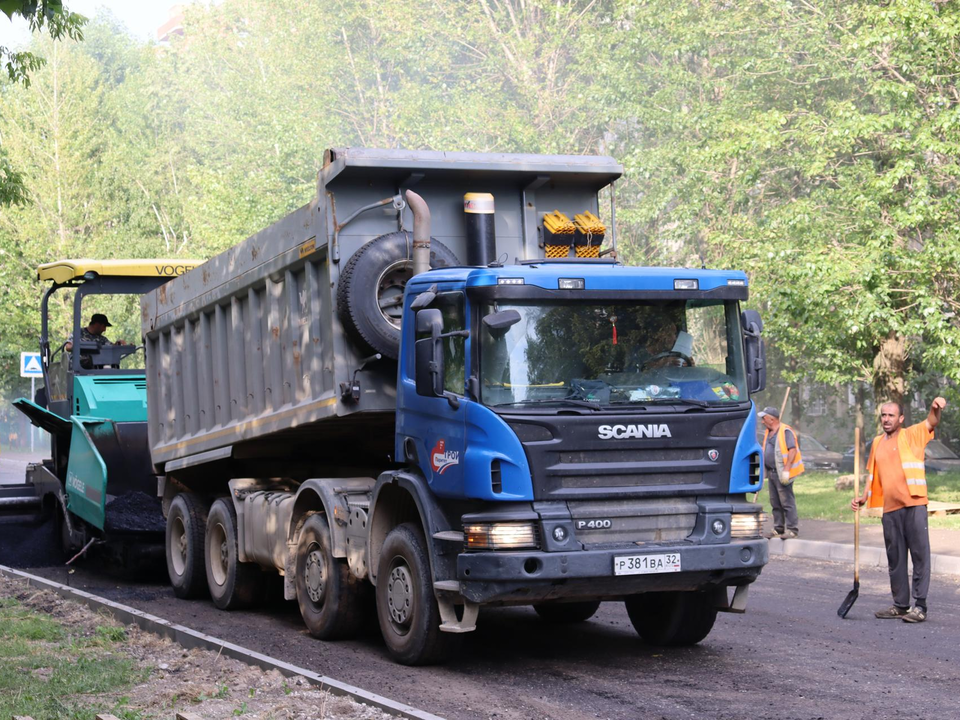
370, 294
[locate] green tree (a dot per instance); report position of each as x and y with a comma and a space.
814, 144
60, 23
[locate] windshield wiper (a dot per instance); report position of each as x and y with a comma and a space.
546, 401
665, 401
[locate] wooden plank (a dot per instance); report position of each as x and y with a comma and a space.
106, 716
188, 716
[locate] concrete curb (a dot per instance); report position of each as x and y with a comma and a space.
842, 552
189, 639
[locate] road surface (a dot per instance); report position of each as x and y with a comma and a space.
12, 467
790, 656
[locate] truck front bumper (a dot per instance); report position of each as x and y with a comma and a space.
536, 576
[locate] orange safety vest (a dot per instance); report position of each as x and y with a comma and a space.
911, 461
797, 467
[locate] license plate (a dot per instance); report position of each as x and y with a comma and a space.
646, 564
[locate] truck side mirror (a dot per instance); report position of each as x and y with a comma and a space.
755, 350
428, 365
498, 323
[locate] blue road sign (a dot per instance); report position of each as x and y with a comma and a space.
30, 365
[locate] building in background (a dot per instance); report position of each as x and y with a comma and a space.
173, 27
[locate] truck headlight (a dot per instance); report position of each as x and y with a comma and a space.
745, 525
500, 536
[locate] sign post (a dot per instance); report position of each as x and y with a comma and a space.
31, 367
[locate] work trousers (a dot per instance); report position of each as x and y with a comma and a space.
906, 529
783, 503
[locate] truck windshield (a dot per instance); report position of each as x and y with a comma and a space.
608, 354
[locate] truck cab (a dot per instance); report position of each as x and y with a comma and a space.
597, 420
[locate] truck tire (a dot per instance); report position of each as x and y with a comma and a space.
672, 618
372, 279
186, 527
406, 606
565, 613
329, 595
232, 584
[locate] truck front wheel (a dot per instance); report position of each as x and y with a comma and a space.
565, 613
406, 606
329, 595
186, 526
232, 584
672, 618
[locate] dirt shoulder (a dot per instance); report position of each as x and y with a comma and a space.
61, 659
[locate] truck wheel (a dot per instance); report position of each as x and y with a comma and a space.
186, 527
370, 291
329, 595
232, 584
563, 613
672, 618
406, 606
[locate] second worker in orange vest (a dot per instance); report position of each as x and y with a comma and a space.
897, 483
783, 463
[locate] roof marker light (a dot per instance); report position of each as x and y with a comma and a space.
509, 281
686, 284
571, 283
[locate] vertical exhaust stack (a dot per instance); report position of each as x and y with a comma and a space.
481, 232
421, 232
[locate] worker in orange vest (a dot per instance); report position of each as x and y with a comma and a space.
783, 463
897, 484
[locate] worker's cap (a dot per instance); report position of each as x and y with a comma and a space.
100, 319
771, 411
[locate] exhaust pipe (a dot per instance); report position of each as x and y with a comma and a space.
480, 231
421, 232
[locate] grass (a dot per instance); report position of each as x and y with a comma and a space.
46, 672
818, 499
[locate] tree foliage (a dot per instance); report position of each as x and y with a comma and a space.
813, 143
59, 23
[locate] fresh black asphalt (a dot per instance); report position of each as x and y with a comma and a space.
790, 656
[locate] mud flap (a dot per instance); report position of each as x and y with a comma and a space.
448, 597
737, 604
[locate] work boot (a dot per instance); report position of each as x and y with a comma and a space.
773, 535
892, 613
789, 534
915, 615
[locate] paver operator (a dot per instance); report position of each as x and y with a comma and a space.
897, 484
783, 463
93, 333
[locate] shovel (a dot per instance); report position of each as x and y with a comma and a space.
853, 594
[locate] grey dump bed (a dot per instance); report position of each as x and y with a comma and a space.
247, 353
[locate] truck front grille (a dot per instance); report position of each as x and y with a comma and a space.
629, 522
600, 481
570, 459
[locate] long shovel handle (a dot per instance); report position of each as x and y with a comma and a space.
856, 515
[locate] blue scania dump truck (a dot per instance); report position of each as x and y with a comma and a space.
436, 385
